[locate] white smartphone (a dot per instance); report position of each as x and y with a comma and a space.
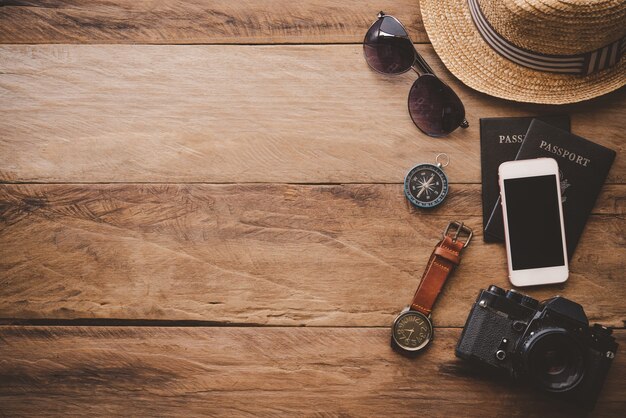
533, 222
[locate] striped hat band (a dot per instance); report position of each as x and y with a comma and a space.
581, 64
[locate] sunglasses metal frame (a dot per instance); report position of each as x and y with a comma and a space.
419, 65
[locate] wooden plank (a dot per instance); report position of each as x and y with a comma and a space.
198, 21
264, 254
296, 114
259, 371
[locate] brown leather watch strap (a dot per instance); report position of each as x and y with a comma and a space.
443, 260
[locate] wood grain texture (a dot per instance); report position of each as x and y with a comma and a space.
61, 371
321, 253
295, 114
198, 21
343, 255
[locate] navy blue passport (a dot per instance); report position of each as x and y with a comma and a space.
583, 168
500, 141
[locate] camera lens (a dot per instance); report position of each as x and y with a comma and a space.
554, 360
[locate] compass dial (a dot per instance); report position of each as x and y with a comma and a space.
426, 185
412, 331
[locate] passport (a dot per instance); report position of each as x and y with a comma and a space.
500, 141
583, 168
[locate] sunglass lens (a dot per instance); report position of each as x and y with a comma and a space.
387, 47
434, 107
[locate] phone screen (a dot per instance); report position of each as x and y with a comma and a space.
532, 209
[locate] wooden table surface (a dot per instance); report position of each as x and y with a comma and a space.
201, 213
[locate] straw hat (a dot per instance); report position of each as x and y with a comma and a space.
537, 51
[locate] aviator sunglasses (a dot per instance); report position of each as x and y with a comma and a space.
435, 109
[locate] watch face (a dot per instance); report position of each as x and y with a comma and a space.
426, 185
412, 331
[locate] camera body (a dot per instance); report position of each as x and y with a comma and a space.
549, 344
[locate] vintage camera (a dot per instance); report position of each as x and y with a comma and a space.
549, 344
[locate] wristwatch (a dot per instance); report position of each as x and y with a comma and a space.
412, 329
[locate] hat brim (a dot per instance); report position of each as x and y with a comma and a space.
465, 53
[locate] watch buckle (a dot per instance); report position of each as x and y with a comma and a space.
459, 229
